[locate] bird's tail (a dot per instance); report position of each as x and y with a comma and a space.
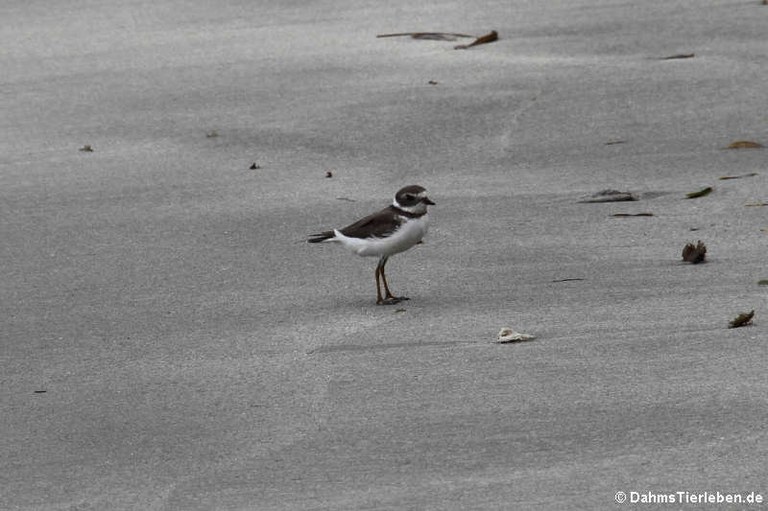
323, 236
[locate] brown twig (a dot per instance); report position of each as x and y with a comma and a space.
751, 174
680, 56
436, 36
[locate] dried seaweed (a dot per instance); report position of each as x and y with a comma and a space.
610, 196
694, 254
86, 148
484, 39
701, 193
743, 319
447, 36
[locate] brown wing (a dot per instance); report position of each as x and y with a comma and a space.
379, 225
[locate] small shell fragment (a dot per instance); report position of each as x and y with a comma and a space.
507, 335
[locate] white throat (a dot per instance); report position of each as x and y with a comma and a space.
418, 209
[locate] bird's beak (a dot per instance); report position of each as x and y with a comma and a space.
426, 200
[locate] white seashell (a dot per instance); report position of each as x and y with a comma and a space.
508, 335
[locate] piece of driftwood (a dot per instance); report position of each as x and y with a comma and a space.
432, 36
743, 319
623, 215
695, 254
485, 39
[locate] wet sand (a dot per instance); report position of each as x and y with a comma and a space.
170, 342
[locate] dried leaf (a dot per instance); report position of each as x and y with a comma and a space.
701, 193
694, 254
743, 319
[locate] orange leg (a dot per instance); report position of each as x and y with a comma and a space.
389, 298
379, 300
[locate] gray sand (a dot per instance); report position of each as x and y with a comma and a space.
170, 343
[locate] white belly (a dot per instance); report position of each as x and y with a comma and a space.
409, 234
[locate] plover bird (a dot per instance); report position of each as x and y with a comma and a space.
392, 230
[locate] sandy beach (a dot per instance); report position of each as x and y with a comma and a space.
171, 342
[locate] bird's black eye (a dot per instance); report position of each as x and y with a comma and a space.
408, 196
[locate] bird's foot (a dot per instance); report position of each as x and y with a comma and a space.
391, 300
